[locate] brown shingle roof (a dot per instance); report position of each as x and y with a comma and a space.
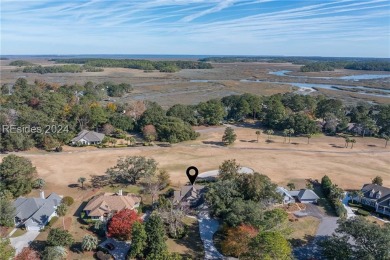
190, 192
107, 202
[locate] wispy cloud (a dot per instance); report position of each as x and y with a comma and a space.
356, 28
220, 6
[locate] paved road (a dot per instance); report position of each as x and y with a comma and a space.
207, 228
215, 173
24, 240
326, 228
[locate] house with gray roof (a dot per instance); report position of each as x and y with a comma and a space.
86, 137
188, 195
287, 197
35, 213
302, 195
377, 197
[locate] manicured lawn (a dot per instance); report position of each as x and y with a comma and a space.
190, 246
129, 189
19, 232
304, 230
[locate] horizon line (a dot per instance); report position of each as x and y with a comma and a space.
208, 55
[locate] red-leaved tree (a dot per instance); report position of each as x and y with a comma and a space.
237, 240
27, 254
150, 133
121, 224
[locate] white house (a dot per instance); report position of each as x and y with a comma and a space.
86, 137
302, 195
35, 213
377, 197
287, 198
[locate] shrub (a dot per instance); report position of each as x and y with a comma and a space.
340, 209
59, 237
68, 200
354, 205
362, 212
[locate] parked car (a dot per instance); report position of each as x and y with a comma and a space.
110, 246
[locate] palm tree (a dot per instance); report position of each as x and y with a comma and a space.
291, 185
39, 183
114, 141
353, 194
89, 243
290, 132
258, 133
347, 141
309, 137
269, 133
387, 138
352, 141
285, 133
61, 212
81, 180
360, 195
132, 140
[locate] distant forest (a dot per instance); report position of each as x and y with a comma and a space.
81, 107
147, 65
71, 68
311, 64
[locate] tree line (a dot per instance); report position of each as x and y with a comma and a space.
360, 65
20, 63
71, 68
146, 65
79, 107
313, 64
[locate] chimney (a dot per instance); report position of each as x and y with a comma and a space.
42, 194
120, 193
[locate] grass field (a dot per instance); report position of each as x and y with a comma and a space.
282, 162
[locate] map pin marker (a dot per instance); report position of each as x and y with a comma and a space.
192, 177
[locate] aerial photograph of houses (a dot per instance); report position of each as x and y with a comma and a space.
195, 129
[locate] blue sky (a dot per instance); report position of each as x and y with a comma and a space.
224, 27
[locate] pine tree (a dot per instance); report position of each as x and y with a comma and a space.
138, 241
229, 136
155, 241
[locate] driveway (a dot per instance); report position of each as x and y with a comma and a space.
326, 228
207, 228
120, 250
24, 240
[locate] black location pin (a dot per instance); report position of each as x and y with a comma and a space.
192, 177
